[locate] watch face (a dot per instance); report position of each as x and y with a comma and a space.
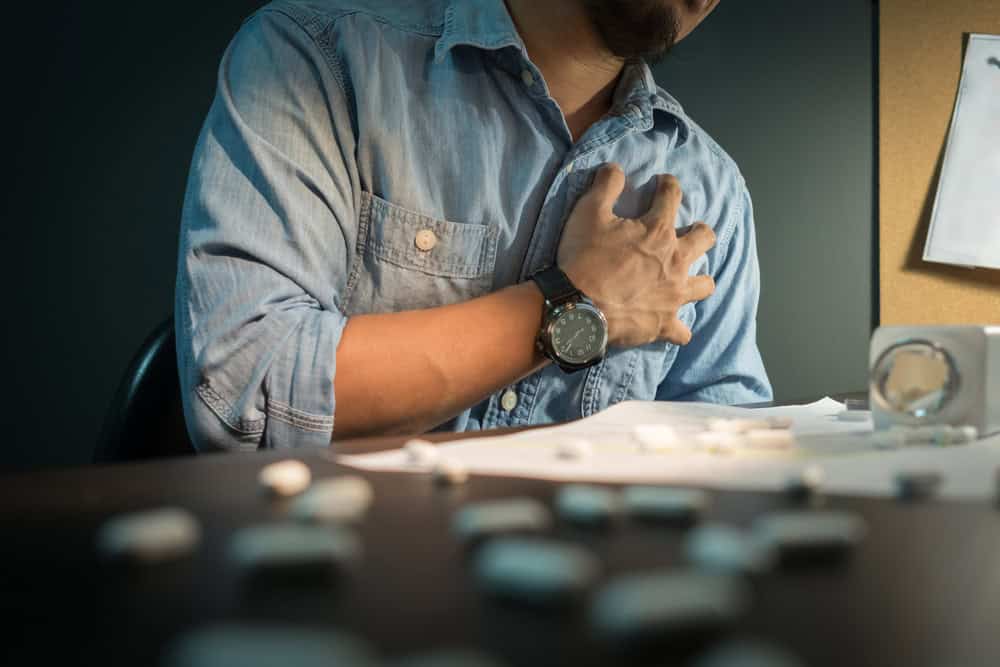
579, 335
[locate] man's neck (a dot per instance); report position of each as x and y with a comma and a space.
580, 72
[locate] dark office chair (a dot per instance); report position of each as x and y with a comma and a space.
146, 420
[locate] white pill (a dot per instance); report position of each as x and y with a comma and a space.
150, 536
576, 449
662, 605
726, 549
293, 549
746, 653
500, 517
736, 425
421, 453
720, 442
655, 437
450, 473
588, 505
285, 478
264, 645
769, 439
535, 571
854, 415
779, 422
806, 483
664, 503
965, 434
804, 534
343, 499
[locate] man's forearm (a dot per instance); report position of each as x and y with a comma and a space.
408, 372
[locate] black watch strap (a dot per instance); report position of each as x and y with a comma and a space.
555, 286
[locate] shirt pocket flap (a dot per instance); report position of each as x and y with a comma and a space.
436, 247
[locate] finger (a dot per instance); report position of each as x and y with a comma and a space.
700, 287
666, 202
697, 241
677, 332
608, 185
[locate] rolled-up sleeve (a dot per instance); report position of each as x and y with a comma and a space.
722, 363
267, 236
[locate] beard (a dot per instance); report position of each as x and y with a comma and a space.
635, 28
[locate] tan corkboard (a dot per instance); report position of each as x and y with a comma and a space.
920, 63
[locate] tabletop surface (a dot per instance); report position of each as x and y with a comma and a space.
922, 589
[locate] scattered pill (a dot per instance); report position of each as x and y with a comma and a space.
535, 571
737, 425
265, 645
801, 535
720, 442
150, 536
638, 608
746, 653
727, 550
450, 473
655, 437
664, 503
501, 517
769, 439
805, 484
588, 505
421, 453
576, 449
340, 499
917, 485
779, 422
285, 478
293, 549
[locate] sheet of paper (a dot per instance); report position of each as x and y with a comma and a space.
965, 222
841, 448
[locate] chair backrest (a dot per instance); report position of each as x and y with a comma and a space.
146, 417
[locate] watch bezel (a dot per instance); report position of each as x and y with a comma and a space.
554, 313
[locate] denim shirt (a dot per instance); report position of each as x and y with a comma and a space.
343, 129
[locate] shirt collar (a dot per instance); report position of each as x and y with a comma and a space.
486, 24
481, 23
637, 97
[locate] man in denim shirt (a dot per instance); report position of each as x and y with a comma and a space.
376, 184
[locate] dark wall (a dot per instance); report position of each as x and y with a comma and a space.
105, 100
786, 88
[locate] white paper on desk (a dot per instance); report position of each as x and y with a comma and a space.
965, 221
850, 466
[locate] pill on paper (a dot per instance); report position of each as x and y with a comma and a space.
285, 478
576, 449
421, 453
150, 536
448, 472
340, 499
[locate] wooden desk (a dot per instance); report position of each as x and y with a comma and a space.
922, 590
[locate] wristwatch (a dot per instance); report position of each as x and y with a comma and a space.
574, 331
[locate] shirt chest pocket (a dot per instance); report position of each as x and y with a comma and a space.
406, 261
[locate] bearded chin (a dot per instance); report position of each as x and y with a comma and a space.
635, 28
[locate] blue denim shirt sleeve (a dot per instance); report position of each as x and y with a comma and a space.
265, 241
722, 363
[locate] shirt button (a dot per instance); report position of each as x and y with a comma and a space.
569, 168
527, 77
633, 110
426, 240
509, 400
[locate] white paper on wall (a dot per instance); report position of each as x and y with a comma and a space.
965, 222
